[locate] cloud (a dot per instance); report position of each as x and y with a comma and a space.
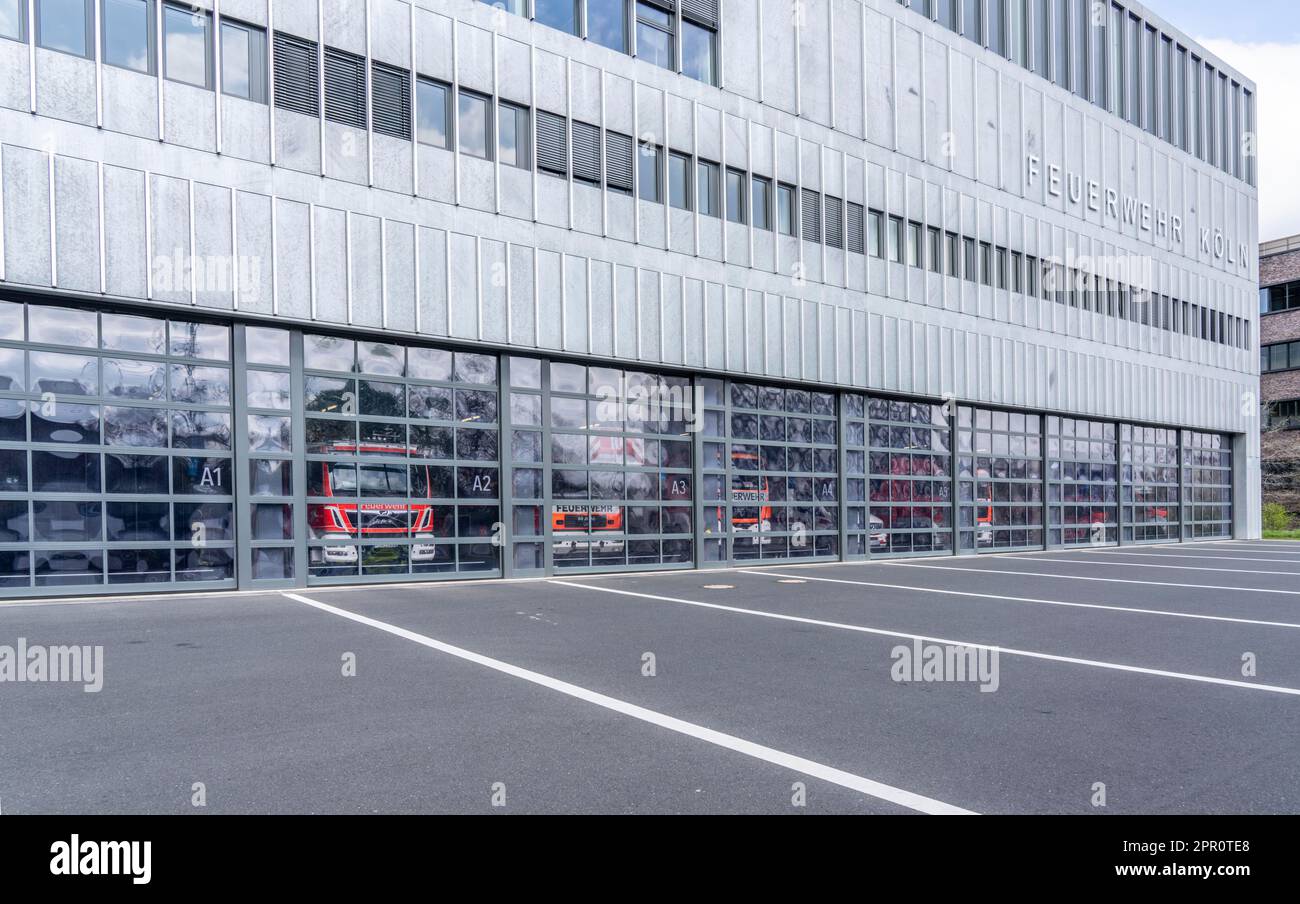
1273, 69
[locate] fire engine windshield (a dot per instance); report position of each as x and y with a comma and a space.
373, 480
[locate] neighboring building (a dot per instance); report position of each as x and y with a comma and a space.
1279, 365
348, 290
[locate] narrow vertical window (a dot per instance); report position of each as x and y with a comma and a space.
654, 36
679, 181
187, 46
433, 124
708, 188
649, 173
607, 23
760, 202
64, 25
12, 13
512, 136
735, 196
127, 34
474, 125
786, 223
243, 61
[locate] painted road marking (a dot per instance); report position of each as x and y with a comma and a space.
1079, 577
881, 632
1046, 602
807, 767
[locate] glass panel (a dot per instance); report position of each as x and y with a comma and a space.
185, 48
62, 25
126, 34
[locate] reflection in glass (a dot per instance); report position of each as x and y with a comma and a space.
66, 521
63, 422
200, 430
127, 474
131, 379
64, 374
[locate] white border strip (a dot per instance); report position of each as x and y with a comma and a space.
730, 742
1092, 563
1029, 599
1079, 577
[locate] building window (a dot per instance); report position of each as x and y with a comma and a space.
707, 188
970, 20
896, 239
997, 23
552, 144
432, 113
587, 162
128, 33
968, 258
12, 14
607, 23
390, 101
946, 13
1017, 271
64, 25
654, 36
914, 244
345, 88
187, 46
811, 226
950, 253
735, 196
561, 14
243, 61
1042, 38
857, 228
935, 249
786, 223
699, 52
834, 214
760, 202
474, 125
679, 181
875, 234
297, 85
512, 137
649, 170
618, 163
1061, 49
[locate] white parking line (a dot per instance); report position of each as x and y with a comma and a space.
1179, 555
1079, 577
1042, 602
807, 767
1091, 562
881, 632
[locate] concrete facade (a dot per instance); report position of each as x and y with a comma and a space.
119, 187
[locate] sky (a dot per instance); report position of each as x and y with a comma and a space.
1261, 40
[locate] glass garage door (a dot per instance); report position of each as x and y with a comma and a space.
1083, 483
115, 451
602, 468
1150, 491
402, 461
1207, 460
909, 487
1000, 480
772, 455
